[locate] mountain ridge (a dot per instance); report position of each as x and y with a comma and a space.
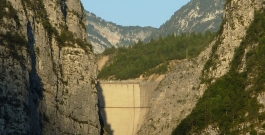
103, 34
195, 16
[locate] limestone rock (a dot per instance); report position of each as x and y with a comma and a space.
47, 80
238, 16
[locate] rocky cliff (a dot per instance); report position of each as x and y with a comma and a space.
197, 15
175, 98
48, 70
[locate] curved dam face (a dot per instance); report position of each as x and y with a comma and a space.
123, 105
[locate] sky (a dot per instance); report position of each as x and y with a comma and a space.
134, 12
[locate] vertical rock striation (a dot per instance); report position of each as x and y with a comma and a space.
238, 16
48, 71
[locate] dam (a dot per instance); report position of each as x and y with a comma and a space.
123, 105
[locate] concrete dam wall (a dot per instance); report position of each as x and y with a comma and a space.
124, 105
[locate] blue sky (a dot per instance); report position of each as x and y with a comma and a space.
134, 12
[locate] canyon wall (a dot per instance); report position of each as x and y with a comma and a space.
47, 69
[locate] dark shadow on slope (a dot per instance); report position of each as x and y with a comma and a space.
105, 127
35, 87
63, 9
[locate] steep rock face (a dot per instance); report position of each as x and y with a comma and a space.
238, 15
103, 34
47, 69
197, 15
172, 102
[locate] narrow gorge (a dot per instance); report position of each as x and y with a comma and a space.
49, 73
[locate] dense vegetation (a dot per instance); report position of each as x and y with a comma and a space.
230, 103
153, 57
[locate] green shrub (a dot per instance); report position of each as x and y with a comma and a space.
253, 132
66, 38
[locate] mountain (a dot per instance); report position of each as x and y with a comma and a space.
197, 16
103, 34
222, 90
47, 69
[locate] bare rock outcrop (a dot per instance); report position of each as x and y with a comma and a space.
47, 69
238, 16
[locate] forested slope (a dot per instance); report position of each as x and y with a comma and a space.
153, 57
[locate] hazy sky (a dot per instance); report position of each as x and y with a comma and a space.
134, 12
